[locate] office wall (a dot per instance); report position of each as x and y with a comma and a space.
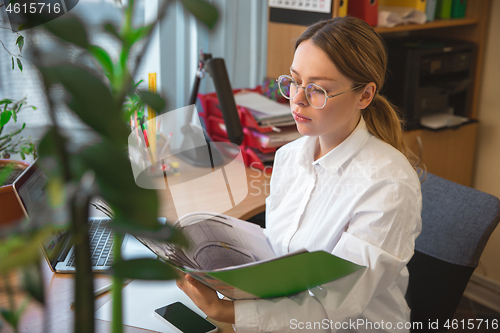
487, 175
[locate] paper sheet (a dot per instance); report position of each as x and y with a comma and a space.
141, 298
262, 104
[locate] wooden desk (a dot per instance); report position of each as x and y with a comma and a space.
59, 288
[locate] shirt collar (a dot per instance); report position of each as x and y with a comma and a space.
335, 158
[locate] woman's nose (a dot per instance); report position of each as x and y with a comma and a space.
300, 97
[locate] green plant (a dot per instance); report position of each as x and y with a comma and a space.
102, 168
9, 144
9, 109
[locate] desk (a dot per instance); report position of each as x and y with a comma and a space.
59, 287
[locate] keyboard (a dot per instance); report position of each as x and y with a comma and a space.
101, 244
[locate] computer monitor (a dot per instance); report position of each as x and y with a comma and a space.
216, 68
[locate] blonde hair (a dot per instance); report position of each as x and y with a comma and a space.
359, 53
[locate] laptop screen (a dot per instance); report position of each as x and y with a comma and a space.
30, 189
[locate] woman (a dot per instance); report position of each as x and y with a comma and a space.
346, 187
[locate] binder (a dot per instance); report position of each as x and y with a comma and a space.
246, 266
342, 9
430, 10
458, 8
367, 10
443, 9
259, 141
417, 4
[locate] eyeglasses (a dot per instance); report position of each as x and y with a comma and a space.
315, 95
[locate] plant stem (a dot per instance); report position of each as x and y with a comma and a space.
84, 283
116, 291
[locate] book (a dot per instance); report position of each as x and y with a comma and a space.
235, 258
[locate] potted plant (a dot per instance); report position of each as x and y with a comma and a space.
11, 143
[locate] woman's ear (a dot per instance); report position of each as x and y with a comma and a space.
367, 95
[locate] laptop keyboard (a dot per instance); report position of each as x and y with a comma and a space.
101, 244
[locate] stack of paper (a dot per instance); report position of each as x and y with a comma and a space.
265, 111
390, 16
442, 120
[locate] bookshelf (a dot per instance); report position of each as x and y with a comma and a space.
448, 153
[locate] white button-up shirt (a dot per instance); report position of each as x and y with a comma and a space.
360, 202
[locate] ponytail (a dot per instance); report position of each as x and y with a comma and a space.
382, 120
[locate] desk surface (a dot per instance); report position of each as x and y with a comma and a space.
59, 288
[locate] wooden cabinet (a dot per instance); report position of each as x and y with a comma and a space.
448, 153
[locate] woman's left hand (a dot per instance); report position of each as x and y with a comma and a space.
206, 299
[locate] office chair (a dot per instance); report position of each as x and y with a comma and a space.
456, 224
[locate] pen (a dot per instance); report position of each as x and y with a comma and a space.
101, 291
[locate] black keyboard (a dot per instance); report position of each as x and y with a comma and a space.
101, 244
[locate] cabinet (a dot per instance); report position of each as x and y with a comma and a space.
448, 153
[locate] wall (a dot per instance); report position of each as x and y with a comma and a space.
487, 176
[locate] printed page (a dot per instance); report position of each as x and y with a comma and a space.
227, 230
215, 256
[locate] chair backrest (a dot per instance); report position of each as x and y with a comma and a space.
456, 224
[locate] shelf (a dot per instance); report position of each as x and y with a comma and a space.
430, 25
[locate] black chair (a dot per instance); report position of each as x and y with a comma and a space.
456, 224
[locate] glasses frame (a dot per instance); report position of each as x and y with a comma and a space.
311, 84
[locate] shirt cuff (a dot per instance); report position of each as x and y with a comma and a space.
245, 316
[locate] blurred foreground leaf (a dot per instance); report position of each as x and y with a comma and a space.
69, 29
144, 269
32, 282
203, 11
113, 171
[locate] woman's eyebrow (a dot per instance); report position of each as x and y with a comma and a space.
314, 78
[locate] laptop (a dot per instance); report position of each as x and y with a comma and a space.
29, 189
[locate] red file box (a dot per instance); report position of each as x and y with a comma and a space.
367, 10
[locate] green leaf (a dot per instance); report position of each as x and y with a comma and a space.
136, 35
5, 172
5, 117
152, 99
91, 100
9, 317
21, 250
32, 282
20, 43
69, 29
144, 269
5, 101
110, 28
19, 64
203, 11
12, 62
104, 59
132, 204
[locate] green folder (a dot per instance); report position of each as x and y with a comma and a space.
281, 276
458, 8
443, 9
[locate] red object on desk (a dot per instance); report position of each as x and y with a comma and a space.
145, 137
367, 10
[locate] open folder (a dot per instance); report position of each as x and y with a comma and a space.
234, 257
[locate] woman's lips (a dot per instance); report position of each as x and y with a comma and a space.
300, 118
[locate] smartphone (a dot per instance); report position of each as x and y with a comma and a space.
185, 319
